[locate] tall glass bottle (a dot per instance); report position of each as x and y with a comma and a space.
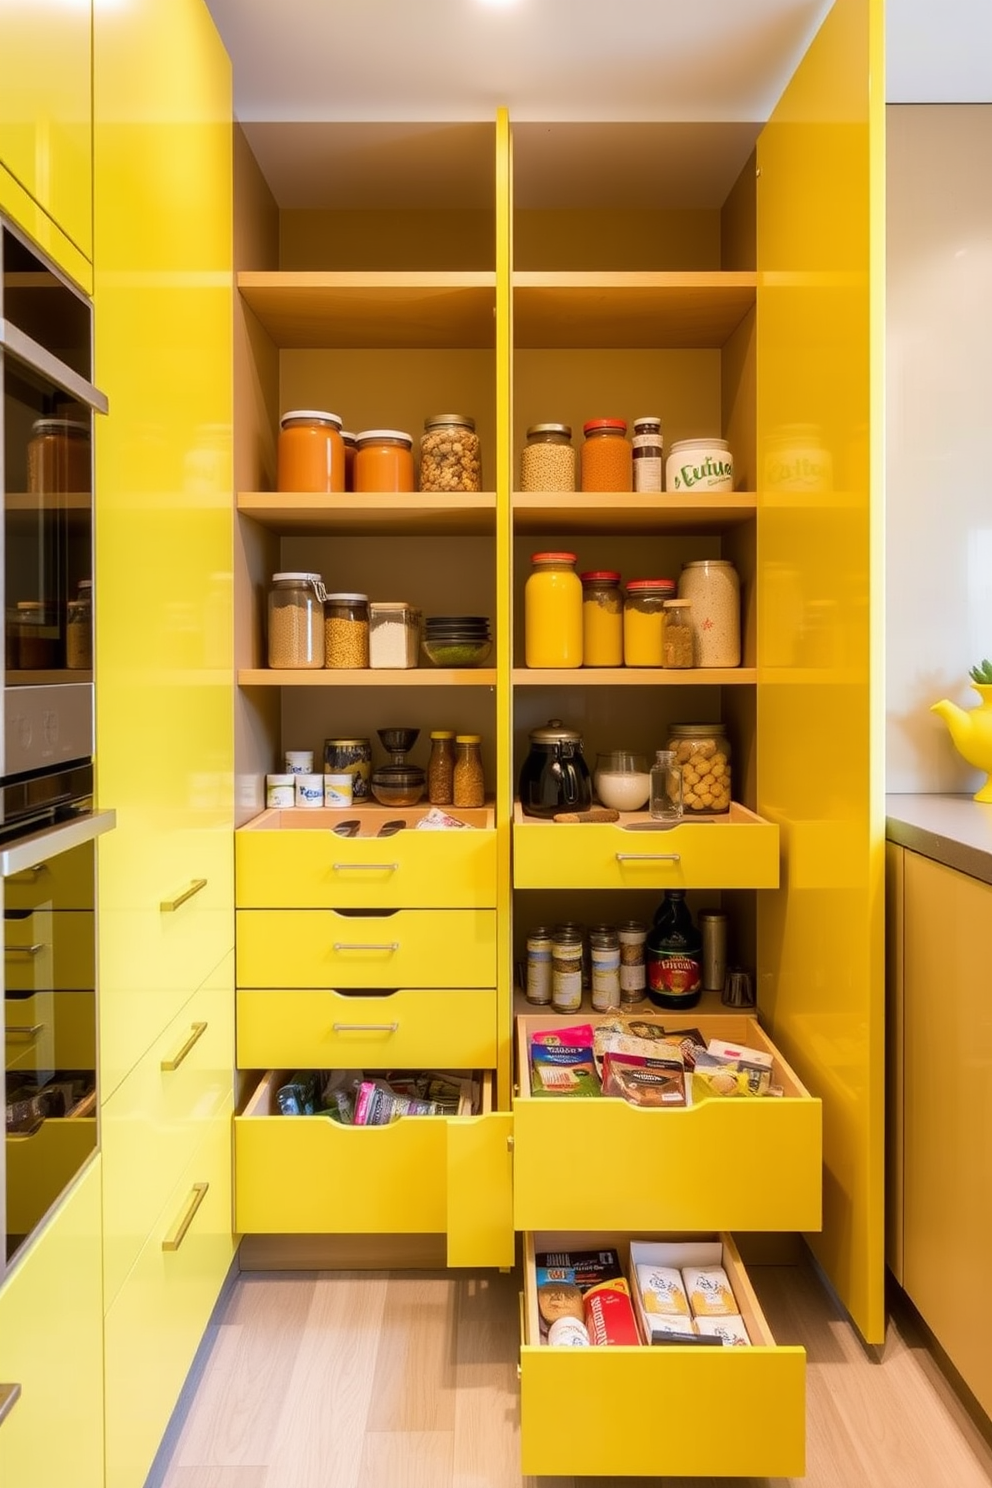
673, 955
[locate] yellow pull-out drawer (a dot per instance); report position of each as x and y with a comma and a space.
51, 1030
736, 851
405, 948
49, 948
664, 1411
41, 1164
65, 881
746, 1164
294, 860
317, 1028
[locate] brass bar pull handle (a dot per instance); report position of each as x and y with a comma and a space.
649, 857
9, 1396
365, 1027
344, 945
380, 867
197, 1030
24, 1030
22, 953
28, 876
196, 1198
167, 906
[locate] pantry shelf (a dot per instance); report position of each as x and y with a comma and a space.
371, 515
569, 309
634, 676
710, 1004
378, 677
610, 514
374, 310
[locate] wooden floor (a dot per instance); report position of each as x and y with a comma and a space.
408, 1380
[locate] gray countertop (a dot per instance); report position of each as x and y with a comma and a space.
954, 830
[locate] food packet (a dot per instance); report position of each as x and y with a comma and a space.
663, 1291
561, 1063
379, 1105
729, 1330
298, 1097
657, 1083
610, 1313
436, 820
709, 1291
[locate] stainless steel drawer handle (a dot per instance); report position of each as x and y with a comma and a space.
178, 1235
24, 1030
365, 1027
167, 906
22, 953
649, 857
380, 867
9, 1396
197, 1030
345, 945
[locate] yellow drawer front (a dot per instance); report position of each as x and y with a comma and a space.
739, 851
315, 1028
155, 1120
664, 1411
408, 948
307, 1174
63, 882
54, 1434
744, 1164
49, 948
282, 867
156, 1322
40, 1165
51, 1030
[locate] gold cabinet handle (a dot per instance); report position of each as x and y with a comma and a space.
22, 953
167, 906
509, 1144
27, 876
9, 1396
365, 1027
649, 857
24, 1030
379, 867
196, 1198
344, 945
196, 1032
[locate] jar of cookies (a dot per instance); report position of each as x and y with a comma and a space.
702, 753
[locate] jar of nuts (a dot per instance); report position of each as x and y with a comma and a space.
346, 631
449, 454
548, 459
702, 752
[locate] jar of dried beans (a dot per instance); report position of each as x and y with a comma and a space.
548, 459
702, 756
449, 454
296, 621
346, 631
607, 458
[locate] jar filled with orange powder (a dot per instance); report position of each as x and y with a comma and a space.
310, 456
384, 461
607, 456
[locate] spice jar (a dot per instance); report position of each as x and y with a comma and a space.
79, 628
59, 456
449, 454
548, 460
648, 448
346, 631
678, 643
469, 782
604, 955
606, 456
538, 986
310, 454
350, 446
702, 753
383, 461
553, 612
566, 969
352, 757
296, 621
712, 587
602, 619
633, 975
644, 621
441, 768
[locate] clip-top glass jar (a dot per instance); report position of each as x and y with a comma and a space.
449, 454
702, 754
310, 454
606, 456
644, 621
296, 621
553, 612
383, 461
602, 619
548, 460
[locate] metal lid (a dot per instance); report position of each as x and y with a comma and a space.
708, 563
555, 732
439, 420
600, 576
297, 578
565, 429
348, 437
640, 422
605, 425
689, 729
468, 738
553, 557
373, 436
346, 598
336, 743
394, 604
311, 415
59, 426
642, 584
443, 734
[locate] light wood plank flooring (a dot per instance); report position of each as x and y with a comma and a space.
408, 1380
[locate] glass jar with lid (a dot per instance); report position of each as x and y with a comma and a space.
296, 621
644, 621
310, 454
346, 631
59, 456
37, 626
606, 455
713, 588
441, 768
548, 459
383, 461
468, 781
553, 612
648, 451
679, 641
350, 446
79, 628
702, 756
449, 454
602, 618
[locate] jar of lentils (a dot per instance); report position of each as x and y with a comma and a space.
548, 459
449, 454
702, 756
296, 621
607, 457
346, 631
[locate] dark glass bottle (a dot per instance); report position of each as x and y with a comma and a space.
673, 955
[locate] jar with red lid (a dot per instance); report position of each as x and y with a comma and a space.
384, 461
644, 621
310, 455
602, 618
607, 456
553, 612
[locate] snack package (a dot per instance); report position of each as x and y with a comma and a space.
752, 1079
615, 1038
610, 1314
729, 1330
563, 1277
561, 1063
436, 820
662, 1291
720, 1083
656, 1083
568, 1332
709, 1291
690, 1043
739, 1054
678, 1331
298, 1097
378, 1105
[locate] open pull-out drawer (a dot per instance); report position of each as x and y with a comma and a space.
742, 1164
659, 1412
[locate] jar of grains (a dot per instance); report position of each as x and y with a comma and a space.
383, 461
350, 446
310, 454
604, 955
538, 986
449, 454
441, 768
633, 976
553, 612
548, 459
644, 621
606, 456
59, 457
702, 754
602, 619
648, 449
566, 969
678, 644
713, 589
469, 782
346, 631
296, 621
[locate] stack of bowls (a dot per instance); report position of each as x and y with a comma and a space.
457, 640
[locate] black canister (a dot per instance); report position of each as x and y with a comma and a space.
554, 776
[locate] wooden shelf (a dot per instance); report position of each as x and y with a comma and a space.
612, 514
373, 677
43, 677
379, 310
634, 676
699, 309
33, 501
414, 515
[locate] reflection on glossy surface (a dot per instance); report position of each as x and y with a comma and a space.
820, 195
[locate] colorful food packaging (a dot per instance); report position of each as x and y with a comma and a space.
721, 1081
658, 1083
709, 1291
690, 1043
662, 1291
739, 1054
563, 1277
729, 1330
561, 1062
610, 1314
675, 1332
568, 1332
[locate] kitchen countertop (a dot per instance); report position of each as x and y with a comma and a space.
954, 830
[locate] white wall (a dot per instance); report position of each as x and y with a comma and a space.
939, 432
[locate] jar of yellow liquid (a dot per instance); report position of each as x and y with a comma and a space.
644, 621
602, 619
553, 612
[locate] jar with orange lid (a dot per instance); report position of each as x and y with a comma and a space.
59, 456
553, 612
644, 621
602, 619
310, 455
383, 461
607, 456
350, 446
